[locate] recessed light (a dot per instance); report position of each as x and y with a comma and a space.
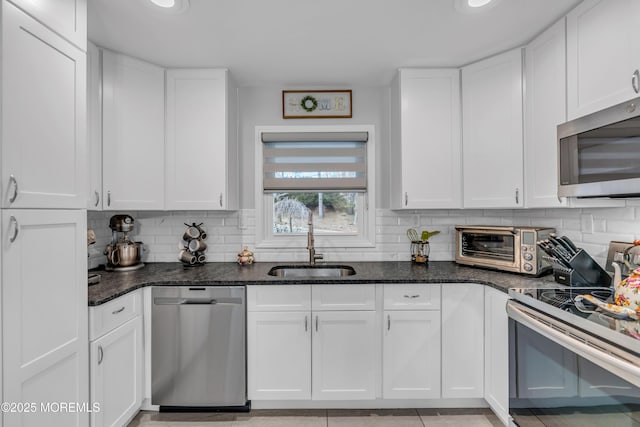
474, 6
171, 3
168, 6
478, 3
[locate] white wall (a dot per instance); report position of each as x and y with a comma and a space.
591, 229
228, 232
262, 106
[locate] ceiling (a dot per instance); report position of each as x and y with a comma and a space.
317, 42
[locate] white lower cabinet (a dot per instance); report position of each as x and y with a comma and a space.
411, 355
116, 360
462, 340
344, 355
116, 375
496, 352
301, 354
279, 350
44, 315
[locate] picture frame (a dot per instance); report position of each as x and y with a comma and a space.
316, 104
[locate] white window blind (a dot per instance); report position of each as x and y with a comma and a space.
314, 161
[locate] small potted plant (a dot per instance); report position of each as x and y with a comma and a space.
420, 247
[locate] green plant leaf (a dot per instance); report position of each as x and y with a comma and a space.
426, 235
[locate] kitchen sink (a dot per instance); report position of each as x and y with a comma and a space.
312, 271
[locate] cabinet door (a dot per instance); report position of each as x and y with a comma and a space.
198, 145
344, 362
132, 133
411, 355
426, 157
492, 132
496, 352
462, 340
602, 47
279, 355
94, 127
68, 18
116, 375
545, 109
545, 369
44, 314
43, 116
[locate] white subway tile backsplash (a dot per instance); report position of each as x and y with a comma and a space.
229, 232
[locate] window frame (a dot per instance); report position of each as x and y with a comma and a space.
265, 238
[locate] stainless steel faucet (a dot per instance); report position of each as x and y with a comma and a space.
310, 242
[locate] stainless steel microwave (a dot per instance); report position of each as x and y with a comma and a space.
599, 154
503, 248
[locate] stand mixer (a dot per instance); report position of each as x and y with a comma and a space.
122, 253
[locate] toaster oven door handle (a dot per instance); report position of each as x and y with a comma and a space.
495, 230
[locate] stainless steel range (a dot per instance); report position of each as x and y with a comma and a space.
571, 366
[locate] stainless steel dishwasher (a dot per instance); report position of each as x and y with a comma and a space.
198, 357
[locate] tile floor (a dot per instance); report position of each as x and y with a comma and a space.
324, 418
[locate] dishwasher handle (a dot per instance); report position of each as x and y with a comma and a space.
197, 301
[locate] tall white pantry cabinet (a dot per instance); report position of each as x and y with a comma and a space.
43, 142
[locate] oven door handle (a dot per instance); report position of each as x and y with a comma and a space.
615, 360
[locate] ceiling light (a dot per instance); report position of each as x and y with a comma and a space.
475, 6
478, 3
168, 6
172, 3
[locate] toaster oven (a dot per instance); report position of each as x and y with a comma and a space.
511, 249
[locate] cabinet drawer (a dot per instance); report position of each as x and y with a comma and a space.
418, 296
279, 298
343, 297
112, 314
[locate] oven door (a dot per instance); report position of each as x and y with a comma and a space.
497, 247
561, 376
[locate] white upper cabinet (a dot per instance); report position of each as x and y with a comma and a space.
602, 54
201, 145
94, 127
545, 108
43, 116
426, 140
492, 132
132, 133
68, 18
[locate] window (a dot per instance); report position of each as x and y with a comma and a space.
326, 171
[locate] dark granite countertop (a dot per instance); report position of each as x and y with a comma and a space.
115, 284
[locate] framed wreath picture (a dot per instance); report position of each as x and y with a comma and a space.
317, 104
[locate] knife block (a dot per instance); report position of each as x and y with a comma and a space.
586, 271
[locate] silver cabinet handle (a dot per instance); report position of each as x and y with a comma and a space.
412, 296
388, 322
100, 354
14, 181
635, 81
406, 198
120, 310
97, 198
316, 323
16, 229
517, 196
220, 199
109, 198
306, 323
